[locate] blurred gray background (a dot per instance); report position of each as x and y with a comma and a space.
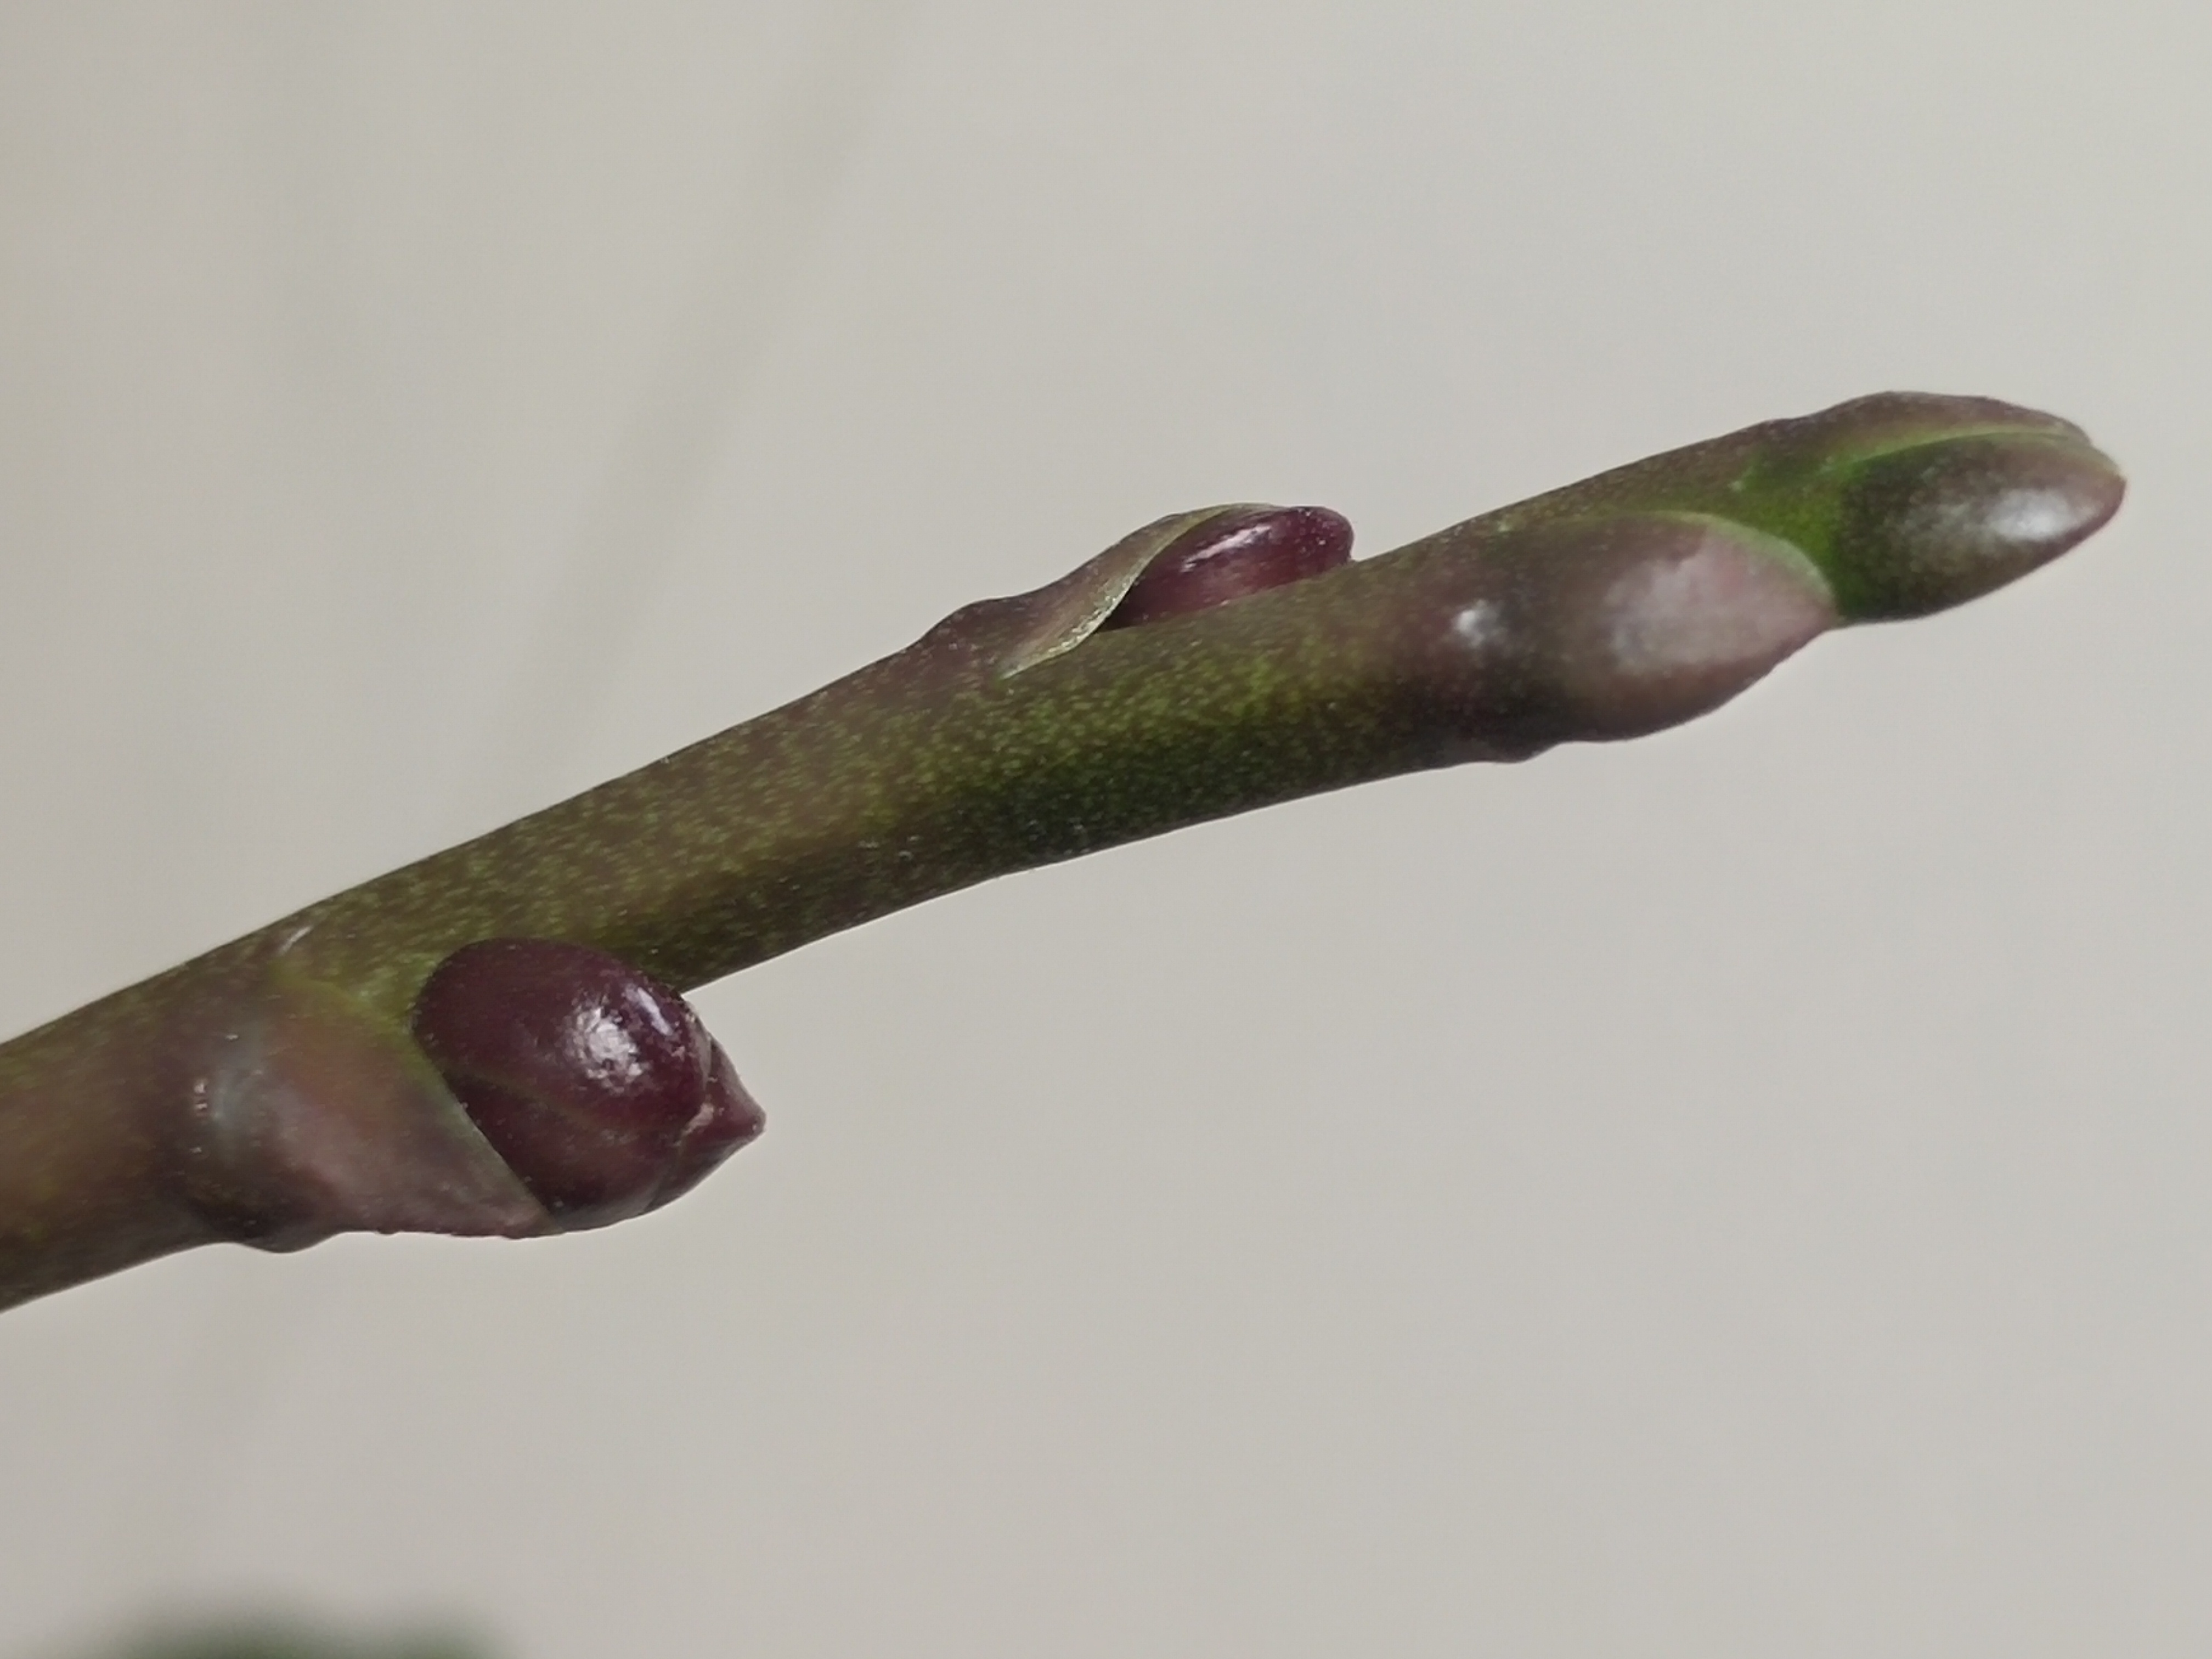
1743, 1193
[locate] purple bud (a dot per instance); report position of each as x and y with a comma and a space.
1234, 555
595, 1082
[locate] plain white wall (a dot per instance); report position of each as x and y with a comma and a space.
1737, 1193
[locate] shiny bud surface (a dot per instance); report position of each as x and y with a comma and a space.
595, 1082
1926, 528
1233, 556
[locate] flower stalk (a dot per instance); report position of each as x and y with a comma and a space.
273, 1091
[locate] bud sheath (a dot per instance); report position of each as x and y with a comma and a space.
595, 1082
1233, 556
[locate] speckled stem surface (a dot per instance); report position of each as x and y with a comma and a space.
268, 1091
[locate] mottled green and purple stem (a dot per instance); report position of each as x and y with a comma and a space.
271, 1090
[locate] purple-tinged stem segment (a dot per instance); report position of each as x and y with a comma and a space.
271, 1091
1233, 556
596, 1083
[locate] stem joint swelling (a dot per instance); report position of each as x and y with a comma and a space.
494, 1041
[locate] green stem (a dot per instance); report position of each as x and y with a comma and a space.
268, 1089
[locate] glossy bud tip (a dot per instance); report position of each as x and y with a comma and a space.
1232, 555
594, 1081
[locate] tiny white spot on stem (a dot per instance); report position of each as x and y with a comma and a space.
1478, 624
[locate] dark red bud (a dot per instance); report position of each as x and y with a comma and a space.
595, 1082
1232, 555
